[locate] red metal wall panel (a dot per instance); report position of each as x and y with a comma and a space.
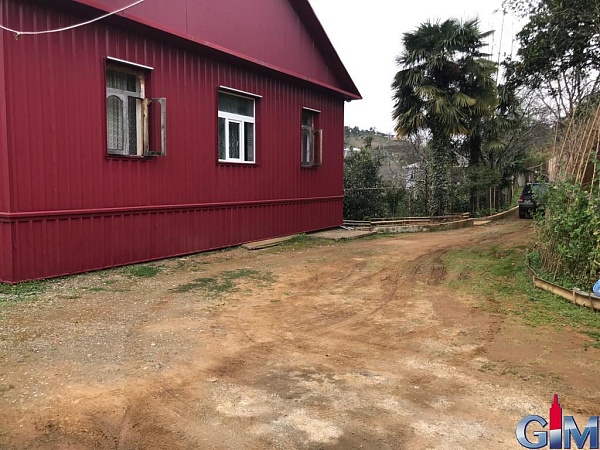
4, 173
62, 246
6, 263
76, 209
266, 30
6, 252
56, 93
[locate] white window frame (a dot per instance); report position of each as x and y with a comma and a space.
142, 104
241, 120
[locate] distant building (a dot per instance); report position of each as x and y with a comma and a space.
351, 150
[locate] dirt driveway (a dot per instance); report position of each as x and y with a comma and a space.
362, 344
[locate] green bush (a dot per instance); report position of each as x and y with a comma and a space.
363, 186
568, 234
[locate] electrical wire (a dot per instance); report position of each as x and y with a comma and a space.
18, 34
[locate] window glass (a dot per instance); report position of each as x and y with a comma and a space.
236, 105
134, 117
234, 140
135, 125
309, 156
307, 118
236, 129
121, 81
222, 154
114, 122
249, 147
307, 145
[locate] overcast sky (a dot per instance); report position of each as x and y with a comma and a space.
367, 35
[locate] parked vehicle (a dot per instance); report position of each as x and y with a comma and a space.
531, 199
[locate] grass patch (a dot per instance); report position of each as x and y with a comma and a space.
142, 271
96, 289
22, 291
534, 258
251, 274
226, 282
499, 275
299, 242
209, 285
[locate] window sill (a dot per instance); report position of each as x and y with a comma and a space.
310, 167
237, 164
129, 157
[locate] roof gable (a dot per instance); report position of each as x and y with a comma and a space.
284, 35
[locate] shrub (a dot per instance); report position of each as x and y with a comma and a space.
569, 234
363, 186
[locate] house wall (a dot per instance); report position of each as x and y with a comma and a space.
265, 30
6, 251
75, 210
5, 226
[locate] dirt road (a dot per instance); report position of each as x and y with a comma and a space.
362, 344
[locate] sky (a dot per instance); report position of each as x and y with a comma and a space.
367, 35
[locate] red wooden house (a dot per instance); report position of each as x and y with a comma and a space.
173, 127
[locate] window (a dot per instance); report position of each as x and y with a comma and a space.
133, 126
311, 139
236, 128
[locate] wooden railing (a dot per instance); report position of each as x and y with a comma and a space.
404, 221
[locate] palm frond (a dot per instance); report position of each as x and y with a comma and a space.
462, 100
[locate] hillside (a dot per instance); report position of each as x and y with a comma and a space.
380, 142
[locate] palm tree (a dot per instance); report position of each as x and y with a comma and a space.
445, 87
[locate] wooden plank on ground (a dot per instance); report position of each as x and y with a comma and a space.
267, 243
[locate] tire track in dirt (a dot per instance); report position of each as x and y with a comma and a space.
426, 269
345, 355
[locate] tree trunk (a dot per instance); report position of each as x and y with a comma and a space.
474, 162
440, 161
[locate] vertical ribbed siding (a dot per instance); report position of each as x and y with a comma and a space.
56, 98
271, 31
6, 262
4, 172
6, 252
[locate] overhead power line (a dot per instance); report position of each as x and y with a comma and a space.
18, 34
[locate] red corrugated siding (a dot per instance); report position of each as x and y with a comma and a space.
5, 228
265, 30
6, 252
54, 247
4, 181
56, 98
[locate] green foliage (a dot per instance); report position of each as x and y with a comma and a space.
395, 200
559, 49
21, 291
499, 277
459, 194
440, 176
363, 186
569, 235
558, 37
506, 142
225, 283
445, 85
142, 271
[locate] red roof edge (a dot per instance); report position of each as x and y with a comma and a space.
347, 87
310, 19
